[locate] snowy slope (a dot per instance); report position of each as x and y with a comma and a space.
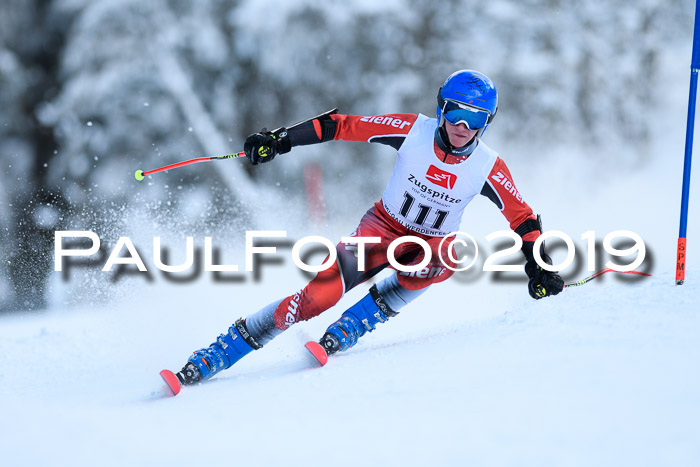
602, 375
473, 373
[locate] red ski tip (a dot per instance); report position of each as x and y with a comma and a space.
317, 351
172, 381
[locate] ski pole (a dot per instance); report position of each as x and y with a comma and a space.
688, 158
140, 174
600, 273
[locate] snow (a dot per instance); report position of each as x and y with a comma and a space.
601, 375
472, 373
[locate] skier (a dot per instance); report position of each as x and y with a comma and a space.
442, 165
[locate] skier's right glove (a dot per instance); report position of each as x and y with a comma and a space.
263, 146
542, 283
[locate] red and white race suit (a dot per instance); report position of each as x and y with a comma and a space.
425, 197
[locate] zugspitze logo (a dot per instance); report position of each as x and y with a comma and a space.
441, 178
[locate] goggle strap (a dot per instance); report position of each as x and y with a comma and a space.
492, 115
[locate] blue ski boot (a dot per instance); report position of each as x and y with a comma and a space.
362, 317
220, 355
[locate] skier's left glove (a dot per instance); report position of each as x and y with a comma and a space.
542, 283
263, 146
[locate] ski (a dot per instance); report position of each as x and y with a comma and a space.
171, 381
317, 352
316, 357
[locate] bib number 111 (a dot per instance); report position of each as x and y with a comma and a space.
422, 213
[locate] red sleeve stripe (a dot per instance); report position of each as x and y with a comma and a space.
364, 129
317, 127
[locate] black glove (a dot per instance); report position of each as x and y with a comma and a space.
542, 283
264, 146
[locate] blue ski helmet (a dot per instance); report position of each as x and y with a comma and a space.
468, 97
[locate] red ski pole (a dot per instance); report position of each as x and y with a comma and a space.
140, 174
600, 273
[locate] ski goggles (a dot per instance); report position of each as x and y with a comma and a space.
456, 112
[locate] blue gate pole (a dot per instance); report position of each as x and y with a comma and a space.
694, 68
